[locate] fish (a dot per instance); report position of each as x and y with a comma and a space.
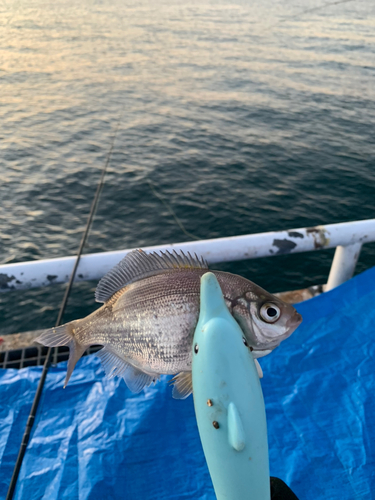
150, 310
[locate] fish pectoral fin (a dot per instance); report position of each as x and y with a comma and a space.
182, 385
116, 366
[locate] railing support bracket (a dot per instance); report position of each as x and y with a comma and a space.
343, 265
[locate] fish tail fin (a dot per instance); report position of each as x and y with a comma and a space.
64, 336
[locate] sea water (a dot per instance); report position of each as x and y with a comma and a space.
237, 116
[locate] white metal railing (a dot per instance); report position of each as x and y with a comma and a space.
346, 237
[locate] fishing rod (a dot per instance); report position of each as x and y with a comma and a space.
47, 362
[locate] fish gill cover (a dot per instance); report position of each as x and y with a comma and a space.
96, 439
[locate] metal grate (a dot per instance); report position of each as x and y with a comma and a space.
36, 355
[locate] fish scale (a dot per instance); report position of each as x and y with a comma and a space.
150, 311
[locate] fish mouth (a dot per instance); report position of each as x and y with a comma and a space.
293, 322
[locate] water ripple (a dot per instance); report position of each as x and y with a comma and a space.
244, 116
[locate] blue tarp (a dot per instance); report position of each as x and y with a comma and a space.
97, 440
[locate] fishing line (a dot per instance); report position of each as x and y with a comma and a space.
307, 11
170, 210
314, 9
47, 362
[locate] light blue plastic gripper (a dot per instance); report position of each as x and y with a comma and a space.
228, 402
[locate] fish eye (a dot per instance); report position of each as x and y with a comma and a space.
245, 342
196, 348
270, 313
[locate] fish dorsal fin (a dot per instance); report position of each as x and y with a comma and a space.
138, 264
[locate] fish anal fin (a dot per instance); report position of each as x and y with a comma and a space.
137, 380
182, 385
114, 365
137, 265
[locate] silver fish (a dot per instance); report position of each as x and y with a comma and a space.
150, 311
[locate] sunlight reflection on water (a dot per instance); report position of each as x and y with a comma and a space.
245, 116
